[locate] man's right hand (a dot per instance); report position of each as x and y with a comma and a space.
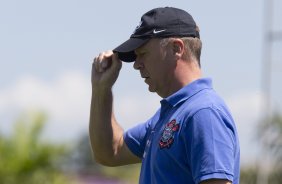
106, 135
105, 70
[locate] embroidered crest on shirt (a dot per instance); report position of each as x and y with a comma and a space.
168, 134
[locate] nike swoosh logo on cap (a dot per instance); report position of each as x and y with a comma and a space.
158, 31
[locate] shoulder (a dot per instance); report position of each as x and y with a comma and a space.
206, 100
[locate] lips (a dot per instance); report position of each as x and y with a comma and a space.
144, 75
145, 78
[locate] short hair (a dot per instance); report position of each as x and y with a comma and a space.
193, 47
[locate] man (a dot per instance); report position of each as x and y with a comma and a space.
192, 138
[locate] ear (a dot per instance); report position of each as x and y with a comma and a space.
178, 48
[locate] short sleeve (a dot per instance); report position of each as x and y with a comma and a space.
210, 145
135, 138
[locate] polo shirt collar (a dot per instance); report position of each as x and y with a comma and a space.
187, 91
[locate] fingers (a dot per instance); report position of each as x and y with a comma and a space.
103, 61
105, 69
106, 61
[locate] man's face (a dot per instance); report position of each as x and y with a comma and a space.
155, 66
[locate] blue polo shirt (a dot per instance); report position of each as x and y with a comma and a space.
191, 138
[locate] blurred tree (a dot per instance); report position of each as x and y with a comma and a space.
81, 158
25, 159
270, 138
127, 173
275, 176
270, 135
83, 161
248, 175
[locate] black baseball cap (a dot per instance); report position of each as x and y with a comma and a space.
158, 23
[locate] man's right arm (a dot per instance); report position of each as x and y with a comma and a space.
106, 135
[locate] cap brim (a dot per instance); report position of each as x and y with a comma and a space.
126, 50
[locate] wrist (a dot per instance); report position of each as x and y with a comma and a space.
101, 90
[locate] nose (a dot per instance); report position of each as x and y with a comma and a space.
138, 64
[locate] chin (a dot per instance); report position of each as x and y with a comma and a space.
152, 89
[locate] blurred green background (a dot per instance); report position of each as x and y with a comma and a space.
28, 159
